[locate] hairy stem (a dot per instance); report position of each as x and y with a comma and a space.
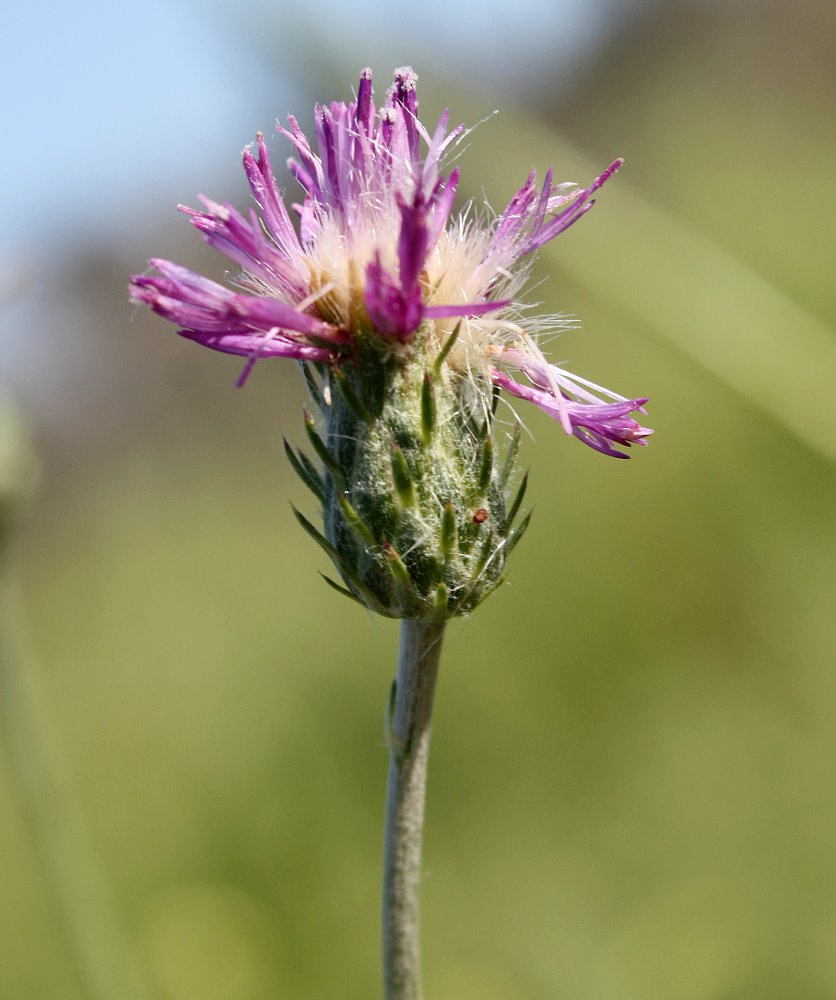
408, 735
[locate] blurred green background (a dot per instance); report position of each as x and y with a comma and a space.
632, 778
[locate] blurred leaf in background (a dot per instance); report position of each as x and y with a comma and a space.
632, 790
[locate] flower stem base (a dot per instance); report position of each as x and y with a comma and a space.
408, 736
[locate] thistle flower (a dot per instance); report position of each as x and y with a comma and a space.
407, 322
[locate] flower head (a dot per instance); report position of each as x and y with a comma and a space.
380, 281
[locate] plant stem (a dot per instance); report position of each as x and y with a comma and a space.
408, 736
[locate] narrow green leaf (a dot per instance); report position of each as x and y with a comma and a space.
448, 531
355, 522
310, 468
321, 449
353, 401
396, 746
398, 568
515, 506
341, 590
495, 396
441, 602
304, 469
349, 574
487, 551
317, 536
517, 533
485, 465
428, 409
390, 707
441, 357
510, 456
484, 555
312, 384
402, 477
